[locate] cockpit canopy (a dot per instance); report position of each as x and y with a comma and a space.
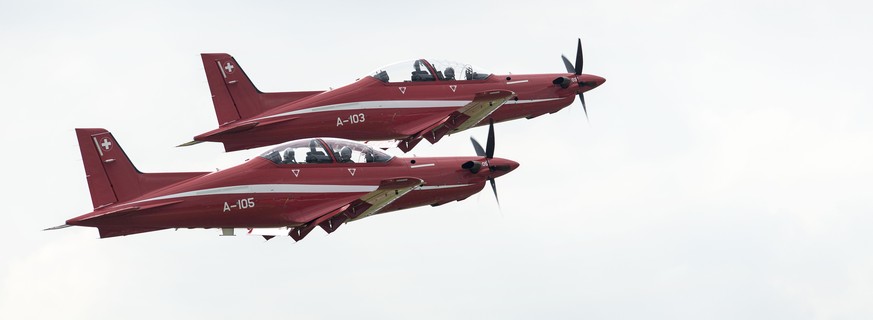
326, 150
429, 70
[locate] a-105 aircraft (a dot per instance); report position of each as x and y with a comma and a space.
296, 186
407, 101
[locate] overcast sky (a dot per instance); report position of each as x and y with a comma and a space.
725, 173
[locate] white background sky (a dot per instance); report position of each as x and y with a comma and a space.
725, 174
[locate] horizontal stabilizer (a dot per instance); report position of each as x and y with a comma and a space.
189, 143
57, 227
128, 209
238, 127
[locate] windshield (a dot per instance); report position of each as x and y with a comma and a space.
429, 70
308, 151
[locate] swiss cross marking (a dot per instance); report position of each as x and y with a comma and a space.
106, 144
229, 67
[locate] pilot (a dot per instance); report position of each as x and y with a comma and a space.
369, 155
315, 156
382, 76
416, 74
346, 154
450, 73
288, 156
419, 74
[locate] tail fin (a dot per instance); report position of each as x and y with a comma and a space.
111, 176
234, 95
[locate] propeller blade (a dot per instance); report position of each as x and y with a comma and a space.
567, 64
494, 188
579, 57
479, 151
489, 145
582, 99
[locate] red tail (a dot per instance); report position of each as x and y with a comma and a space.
233, 94
111, 176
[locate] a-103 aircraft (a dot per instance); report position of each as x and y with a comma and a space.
296, 186
408, 102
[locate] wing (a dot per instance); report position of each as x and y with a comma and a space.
369, 204
483, 104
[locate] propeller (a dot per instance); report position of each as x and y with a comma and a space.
577, 70
488, 153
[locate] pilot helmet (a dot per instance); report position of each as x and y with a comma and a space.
346, 153
288, 154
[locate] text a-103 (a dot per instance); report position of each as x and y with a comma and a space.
351, 119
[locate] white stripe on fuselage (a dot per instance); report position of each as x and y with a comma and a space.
286, 188
366, 105
391, 104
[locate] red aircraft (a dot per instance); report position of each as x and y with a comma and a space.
408, 101
297, 186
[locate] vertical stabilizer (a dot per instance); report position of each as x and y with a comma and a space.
234, 96
111, 175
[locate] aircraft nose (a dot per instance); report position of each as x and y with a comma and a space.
590, 81
502, 166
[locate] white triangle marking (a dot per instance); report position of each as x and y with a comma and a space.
352, 171
403, 90
296, 172
453, 87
